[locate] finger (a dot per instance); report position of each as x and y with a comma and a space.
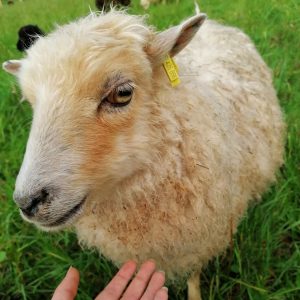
115, 288
157, 281
162, 294
140, 281
67, 289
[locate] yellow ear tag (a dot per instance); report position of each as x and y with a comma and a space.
171, 69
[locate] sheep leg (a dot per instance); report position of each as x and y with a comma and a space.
194, 287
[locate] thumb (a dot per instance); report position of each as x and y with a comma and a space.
67, 289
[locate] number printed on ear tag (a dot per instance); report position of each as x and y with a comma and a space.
171, 69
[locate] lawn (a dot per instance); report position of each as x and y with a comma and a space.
263, 261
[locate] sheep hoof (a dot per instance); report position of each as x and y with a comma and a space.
194, 287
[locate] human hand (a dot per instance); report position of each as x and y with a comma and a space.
146, 285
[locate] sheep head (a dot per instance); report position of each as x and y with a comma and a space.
90, 84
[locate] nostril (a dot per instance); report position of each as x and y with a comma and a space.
44, 194
34, 202
31, 210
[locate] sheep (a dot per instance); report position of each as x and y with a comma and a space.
146, 3
105, 5
140, 164
28, 34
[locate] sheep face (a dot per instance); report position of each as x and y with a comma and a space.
91, 99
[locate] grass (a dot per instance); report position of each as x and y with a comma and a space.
264, 260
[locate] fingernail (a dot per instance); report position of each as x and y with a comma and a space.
165, 288
152, 261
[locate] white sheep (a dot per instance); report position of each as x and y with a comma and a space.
140, 168
146, 3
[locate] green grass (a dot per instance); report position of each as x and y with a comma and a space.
264, 259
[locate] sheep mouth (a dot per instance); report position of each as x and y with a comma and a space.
67, 217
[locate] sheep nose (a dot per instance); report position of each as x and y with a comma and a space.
29, 205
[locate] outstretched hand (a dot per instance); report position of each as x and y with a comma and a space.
147, 284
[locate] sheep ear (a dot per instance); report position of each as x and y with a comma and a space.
174, 39
12, 66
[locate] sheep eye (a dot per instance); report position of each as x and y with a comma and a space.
121, 96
